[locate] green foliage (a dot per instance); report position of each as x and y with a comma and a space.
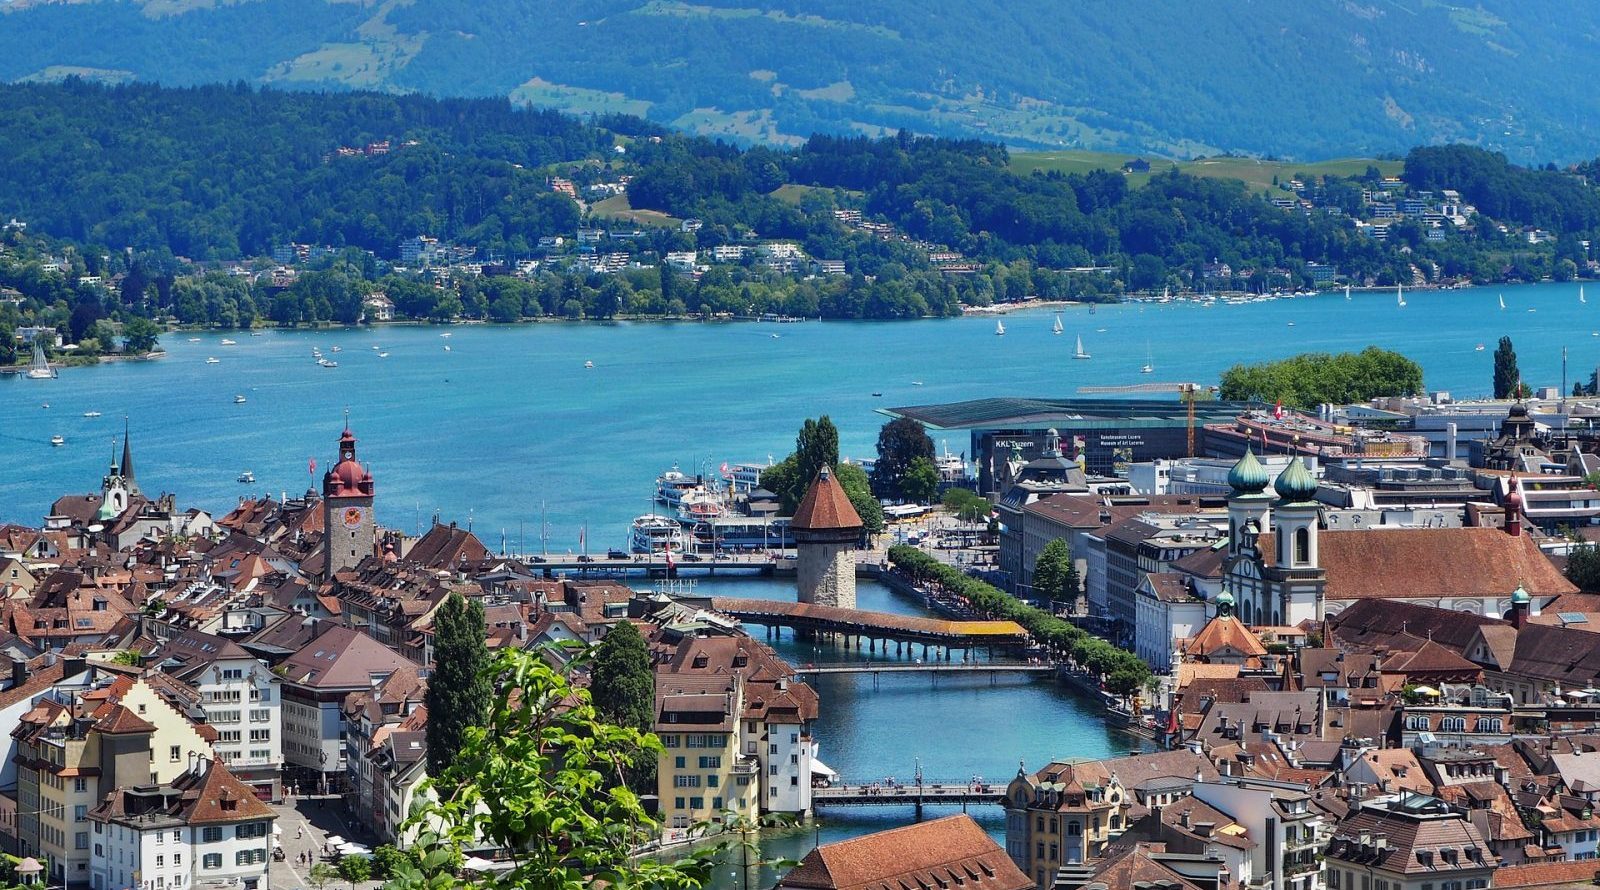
1507, 377
858, 488
816, 446
388, 860
968, 505
1312, 378
900, 442
623, 688
458, 690
1055, 575
323, 874
1060, 636
140, 335
540, 778
355, 869
127, 657
920, 483
1583, 567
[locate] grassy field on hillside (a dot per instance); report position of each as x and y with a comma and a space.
1257, 173
617, 207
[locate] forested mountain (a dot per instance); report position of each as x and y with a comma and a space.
1310, 79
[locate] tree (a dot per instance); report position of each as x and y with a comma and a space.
1055, 576
1313, 378
387, 861
900, 442
139, 335
1506, 375
858, 489
623, 687
322, 874
1583, 567
355, 869
816, 446
539, 779
921, 481
458, 690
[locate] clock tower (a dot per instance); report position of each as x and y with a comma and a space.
349, 529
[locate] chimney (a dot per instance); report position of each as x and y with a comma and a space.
1450, 442
19, 673
1183, 818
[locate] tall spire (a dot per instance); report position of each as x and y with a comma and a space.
127, 460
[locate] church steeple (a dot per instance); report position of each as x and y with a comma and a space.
128, 478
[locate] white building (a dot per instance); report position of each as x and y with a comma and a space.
335, 663
1167, 609
1199, 475
206, 829
241, 698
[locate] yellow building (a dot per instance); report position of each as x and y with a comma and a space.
701, 775
75, 746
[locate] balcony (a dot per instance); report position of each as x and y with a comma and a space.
747, 766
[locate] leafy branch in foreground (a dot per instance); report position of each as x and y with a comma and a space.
541, 779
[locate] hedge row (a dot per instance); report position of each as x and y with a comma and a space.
1125, 672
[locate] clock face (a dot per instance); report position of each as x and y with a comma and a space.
352, 517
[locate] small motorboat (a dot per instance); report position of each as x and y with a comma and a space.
327, 363
91, 414
877, 395
57, 441
255, 333
1478, 348
383, 355
447, 347
338, 349
229, 343
194, 339
238, 400
213, 360
247, 477
589, 365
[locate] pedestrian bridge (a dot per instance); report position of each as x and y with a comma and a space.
933, 667
874, 626
941, 793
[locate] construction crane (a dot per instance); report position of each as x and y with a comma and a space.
1188, 392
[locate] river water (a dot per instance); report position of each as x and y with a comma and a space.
955, 727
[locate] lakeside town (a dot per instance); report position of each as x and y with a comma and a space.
1356, 644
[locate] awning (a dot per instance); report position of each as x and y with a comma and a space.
333, 840
1425, 690
818, 768
475, 863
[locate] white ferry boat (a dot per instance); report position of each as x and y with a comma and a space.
653, 533
672, 485
743, 533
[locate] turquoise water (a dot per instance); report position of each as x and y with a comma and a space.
509, 426
955, 727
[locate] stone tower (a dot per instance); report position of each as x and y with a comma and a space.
826, 530
349, 529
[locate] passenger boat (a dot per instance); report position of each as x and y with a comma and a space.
247, 477
57, 441
743, 533
654, 533
672, 485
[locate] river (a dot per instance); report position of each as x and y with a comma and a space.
955, 727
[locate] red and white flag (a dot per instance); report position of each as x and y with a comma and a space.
311, 467
1277, 410
669, 558
726, 472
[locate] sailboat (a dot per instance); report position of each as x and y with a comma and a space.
1056, 328
999, 328
1079, 352
1149, 365
1580, 294
1347, 292
1400, 294
39, 368
1502, 301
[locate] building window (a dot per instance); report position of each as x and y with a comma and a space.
211, 860
211, 834
81, 840
711, 762
80, 813
80, 785
1302, 546
161, 861
678, 762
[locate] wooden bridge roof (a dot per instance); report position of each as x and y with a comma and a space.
998, 631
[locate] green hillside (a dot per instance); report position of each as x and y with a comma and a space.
1322, 78
1256, 173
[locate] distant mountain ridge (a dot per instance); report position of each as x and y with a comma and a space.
1310, 80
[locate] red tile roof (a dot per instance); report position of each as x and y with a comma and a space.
931, 854
825, 506
1427, 563
1548, 874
